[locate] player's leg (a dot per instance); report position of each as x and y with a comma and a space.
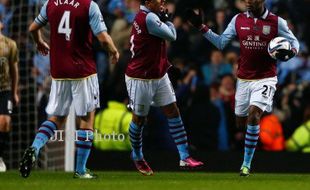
261, 97
85, 137
85, 95
135, 135
179, 136
176, 129
251, 138
58, 107
140, 94
4, 138
165, 98
242, 104
241, 122
45, 132
6, 108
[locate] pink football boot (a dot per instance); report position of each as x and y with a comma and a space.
190, 163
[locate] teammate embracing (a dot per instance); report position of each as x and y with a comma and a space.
148, 83
257, 78
73, 71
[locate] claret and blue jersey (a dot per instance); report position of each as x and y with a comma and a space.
72, 23
254, 34
148, 46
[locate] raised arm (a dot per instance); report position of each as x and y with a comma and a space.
160, 29
219, 41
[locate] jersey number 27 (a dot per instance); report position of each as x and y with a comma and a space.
64, 25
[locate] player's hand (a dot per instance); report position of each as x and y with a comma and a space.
285, 55
193, 18
43, 48
164, 15
15, 99
114, 57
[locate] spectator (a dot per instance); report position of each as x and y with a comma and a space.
222, 133
213, 71
6, 15
227, 90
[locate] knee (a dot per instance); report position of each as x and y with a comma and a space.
139, 121
5, 125
171, 111
59, 121
241, 122
254, 118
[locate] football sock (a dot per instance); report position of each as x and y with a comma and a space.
251, 139
4, 138
135, 134
179, 136
83, 147
45, 132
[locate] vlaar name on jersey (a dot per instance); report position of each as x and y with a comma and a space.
67, 2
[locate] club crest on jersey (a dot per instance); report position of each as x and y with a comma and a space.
266, 29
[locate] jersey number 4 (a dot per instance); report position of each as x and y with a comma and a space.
64, 25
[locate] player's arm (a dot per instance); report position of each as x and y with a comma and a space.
35, 31
99, 29
13, 62
108, 44
284, 31
160, 29
219, 41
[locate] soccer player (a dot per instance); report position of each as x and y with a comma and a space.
73, 71
8, 89
148, 83
256, 74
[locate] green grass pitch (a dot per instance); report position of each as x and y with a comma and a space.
40, 180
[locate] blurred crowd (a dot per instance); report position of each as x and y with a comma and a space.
203, 77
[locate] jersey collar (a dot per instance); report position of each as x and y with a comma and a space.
264, 15
143, 8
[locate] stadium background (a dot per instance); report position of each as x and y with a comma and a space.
204, 82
